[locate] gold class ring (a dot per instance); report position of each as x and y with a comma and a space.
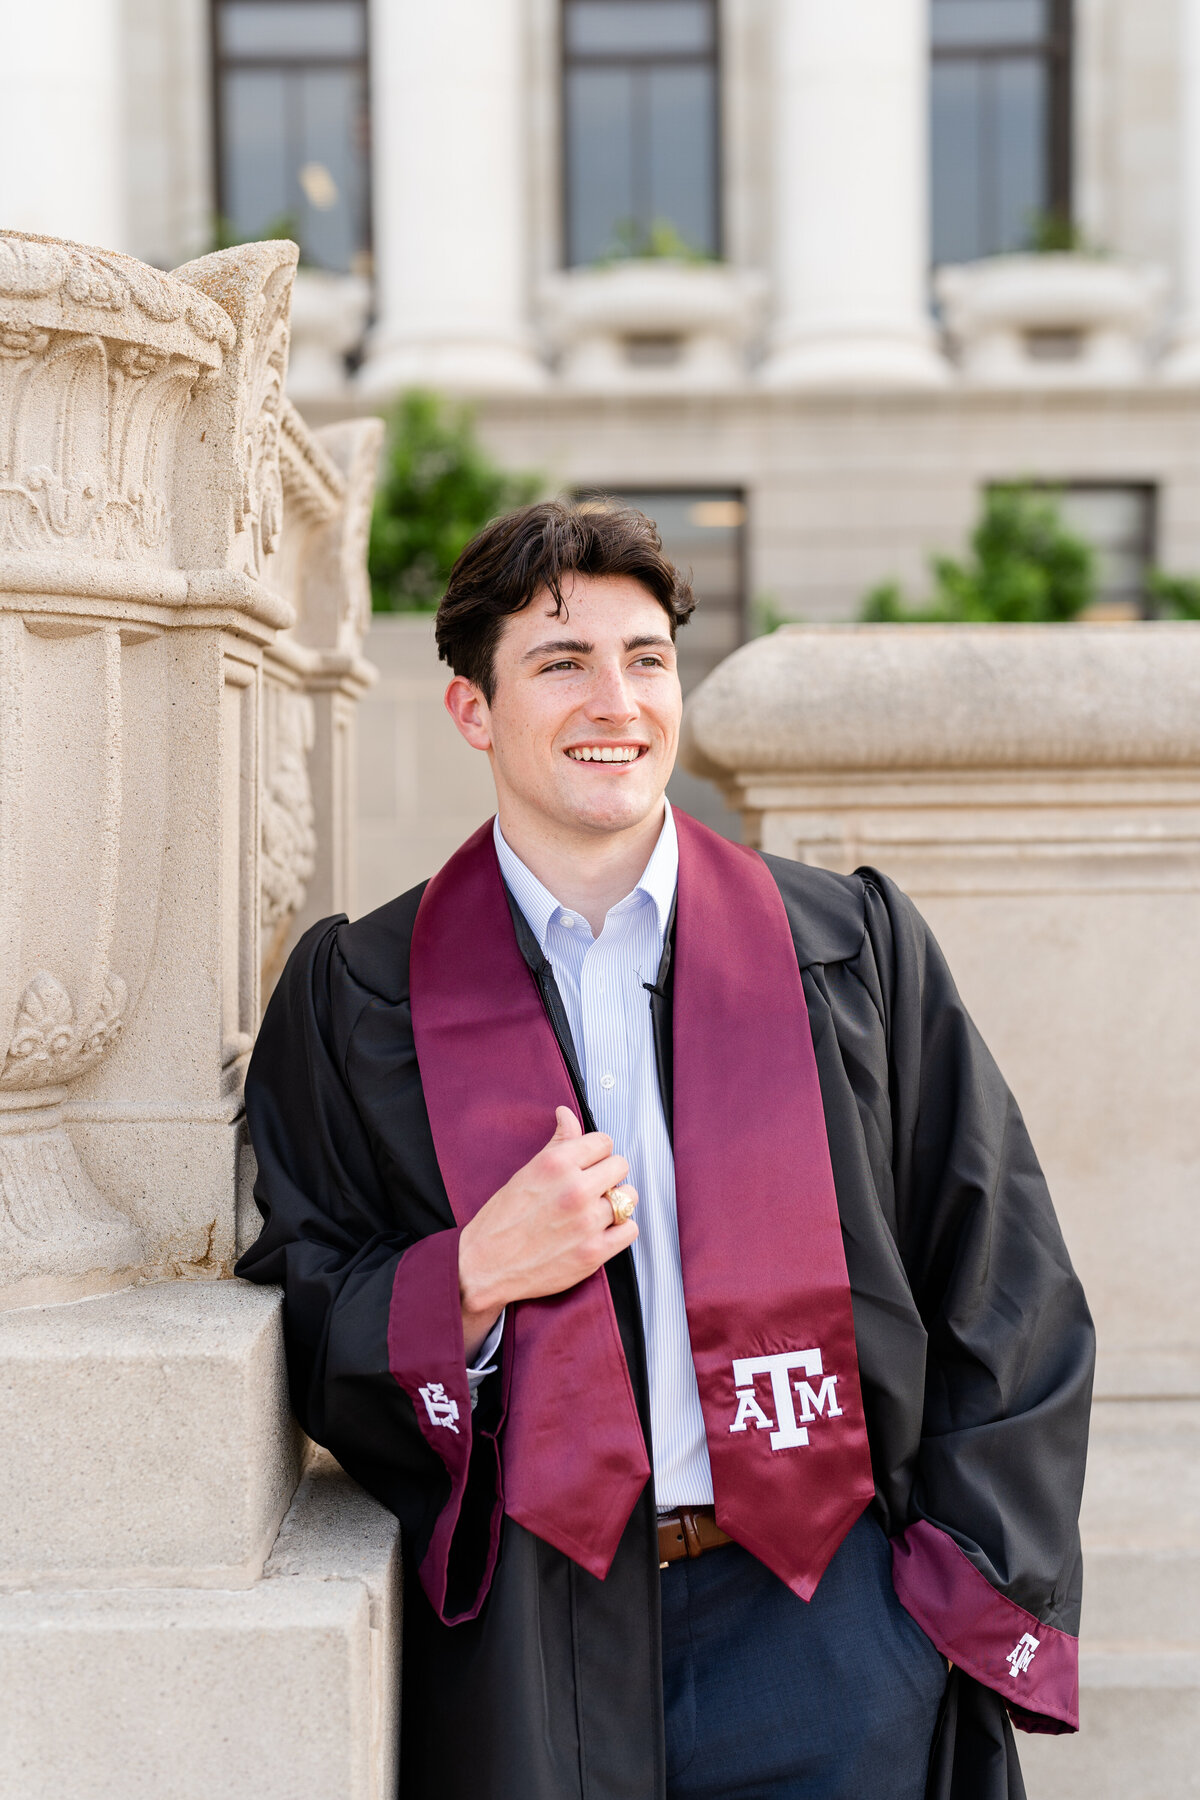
622, 1203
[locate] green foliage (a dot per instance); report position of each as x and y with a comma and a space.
1051, 232
658, 240
767, 615
225, 235
1174, 596
1025, 568
439, 488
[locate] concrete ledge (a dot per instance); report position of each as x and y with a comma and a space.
147, 1438
140, 1695
288, 1690
923, 697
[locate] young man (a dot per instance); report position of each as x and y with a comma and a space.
662, 1245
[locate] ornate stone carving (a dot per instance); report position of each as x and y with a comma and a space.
253, 285
289, 838
54, 1226
98, 357
48, 1046
44, 269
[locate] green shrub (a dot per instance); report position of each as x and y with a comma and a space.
1025, 568
439, 488
1174, 596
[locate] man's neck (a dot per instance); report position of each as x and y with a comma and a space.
589, 872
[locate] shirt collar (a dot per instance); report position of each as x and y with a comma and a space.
539, 905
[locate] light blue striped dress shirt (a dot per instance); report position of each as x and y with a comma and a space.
600, 980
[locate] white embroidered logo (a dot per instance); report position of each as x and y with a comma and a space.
438, 1404
1022, 1654
814, 1402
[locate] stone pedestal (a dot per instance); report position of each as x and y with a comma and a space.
851, 206
182, 603
1037, 791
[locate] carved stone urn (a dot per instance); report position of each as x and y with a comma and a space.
182, 605
139, 497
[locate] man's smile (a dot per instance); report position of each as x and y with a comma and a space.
607, 753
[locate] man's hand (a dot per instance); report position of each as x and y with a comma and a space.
545, 1231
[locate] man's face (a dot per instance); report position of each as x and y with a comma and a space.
583, 724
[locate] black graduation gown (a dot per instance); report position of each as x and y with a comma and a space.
975, 1345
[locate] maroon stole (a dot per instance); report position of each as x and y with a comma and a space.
764, 1271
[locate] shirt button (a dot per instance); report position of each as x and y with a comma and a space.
607, 1081
567, 920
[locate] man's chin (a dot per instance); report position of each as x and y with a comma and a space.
619, 811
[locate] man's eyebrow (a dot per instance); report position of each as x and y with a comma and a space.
649, 643
556, 646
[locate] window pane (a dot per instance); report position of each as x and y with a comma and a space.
1118, 523
989, 155
640, 27
600, 199
956, 162
990, 22
264, 28
1018, 128
329, 173
679, 127
253, 150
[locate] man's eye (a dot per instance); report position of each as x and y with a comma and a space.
650, 662
559, 665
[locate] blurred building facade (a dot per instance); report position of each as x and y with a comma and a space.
774, 253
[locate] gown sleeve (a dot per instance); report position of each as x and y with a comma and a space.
369, 1271
989, 1564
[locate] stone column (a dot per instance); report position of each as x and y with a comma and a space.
449, 198
1036, 790
61, 139
851, 195
1182, 363
181, 604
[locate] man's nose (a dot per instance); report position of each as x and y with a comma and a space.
611, 698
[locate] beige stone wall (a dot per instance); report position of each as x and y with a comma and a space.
847, 490
1037, 791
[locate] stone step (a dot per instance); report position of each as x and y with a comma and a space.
1139, 1736
146, 1437
285, 1689
1131, 1594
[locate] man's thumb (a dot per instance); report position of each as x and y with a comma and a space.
566, 1125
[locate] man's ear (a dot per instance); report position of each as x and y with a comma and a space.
469, 710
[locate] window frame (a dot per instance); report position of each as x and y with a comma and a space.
220, 61
708, 59
1148, 488
1056, 52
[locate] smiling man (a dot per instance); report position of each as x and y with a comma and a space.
660, 1242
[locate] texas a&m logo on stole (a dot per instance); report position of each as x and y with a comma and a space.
816, 1402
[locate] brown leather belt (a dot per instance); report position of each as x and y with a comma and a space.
688, 1531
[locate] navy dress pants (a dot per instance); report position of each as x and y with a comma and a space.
772, 1698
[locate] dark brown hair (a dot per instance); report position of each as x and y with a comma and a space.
526, 552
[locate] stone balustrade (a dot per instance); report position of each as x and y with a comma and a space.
183, 599
1037, 791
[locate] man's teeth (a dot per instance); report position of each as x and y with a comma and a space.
622, 753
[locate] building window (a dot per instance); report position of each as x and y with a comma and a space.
291, 125
640, 128
1118, 520
1000, 124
